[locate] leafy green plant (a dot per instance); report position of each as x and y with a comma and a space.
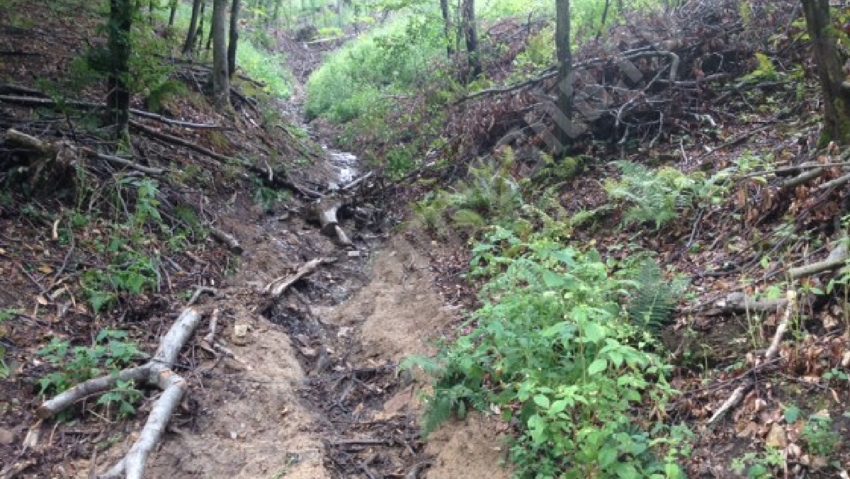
554, 351
110, 352
765, 70
820, 437
759, 465
123, 398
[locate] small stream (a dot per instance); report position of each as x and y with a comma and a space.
344, 165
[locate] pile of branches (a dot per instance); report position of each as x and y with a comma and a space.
650, 76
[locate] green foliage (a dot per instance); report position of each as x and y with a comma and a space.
160, 95
123, 397
391, 60
538, 55
555, 352
109, 353
489, 195
267, 198
820, 436
655, 298
765, 70
265, 67
759, 465
652, 197
129, 270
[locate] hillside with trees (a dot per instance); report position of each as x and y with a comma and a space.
425, 239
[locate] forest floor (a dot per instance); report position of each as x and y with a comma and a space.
308, 386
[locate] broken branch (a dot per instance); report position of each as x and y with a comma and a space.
836, 259
738, 394
157, 372
279, 285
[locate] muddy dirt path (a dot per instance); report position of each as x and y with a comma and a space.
313, 390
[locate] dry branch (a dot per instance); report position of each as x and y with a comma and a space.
842, 180
157, 372
738, 394
803, 178
836, 259
279, 285
31, 142
265, 174
84, 105
165, 137
227, 239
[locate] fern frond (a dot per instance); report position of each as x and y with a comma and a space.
655, 298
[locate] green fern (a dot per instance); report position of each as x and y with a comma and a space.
655, 298
654, 197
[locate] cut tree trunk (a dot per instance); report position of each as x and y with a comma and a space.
326, 213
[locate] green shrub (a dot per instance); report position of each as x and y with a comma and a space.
555, 352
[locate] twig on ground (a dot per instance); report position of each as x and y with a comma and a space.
738, 394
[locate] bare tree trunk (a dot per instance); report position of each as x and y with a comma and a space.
563, 116
832, 77
173, 13
447, 26
220, 77
471, 35
118, 95
234, 38
604, 19
197, 11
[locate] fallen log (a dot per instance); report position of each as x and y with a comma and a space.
157, 372
326, 213
85, 105
803, 178
279, 285
165, 137
738, 302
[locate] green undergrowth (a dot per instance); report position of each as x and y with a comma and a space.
110, 352
565, 346
557, 354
